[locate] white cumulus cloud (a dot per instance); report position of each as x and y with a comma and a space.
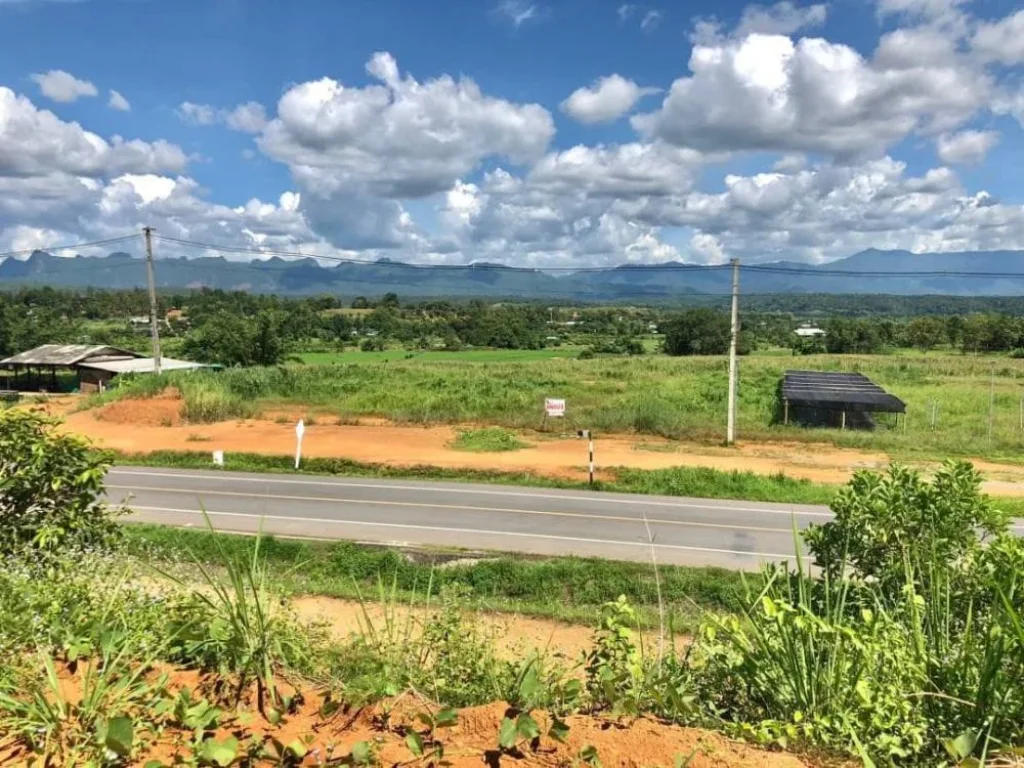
197, 114
1001, 41
35, 142
966, 147
398, 137
250, 117
766, 92
62, 86
606, 99
118, 102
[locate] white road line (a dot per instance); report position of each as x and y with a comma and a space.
424, 505
405, 526
597, 499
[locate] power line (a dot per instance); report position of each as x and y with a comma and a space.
29, 251
768, 268
876, 273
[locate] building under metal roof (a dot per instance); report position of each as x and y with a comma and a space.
66, 355
142, 365
817, 397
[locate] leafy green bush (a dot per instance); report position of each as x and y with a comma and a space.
51, 486
883, 524
904, 648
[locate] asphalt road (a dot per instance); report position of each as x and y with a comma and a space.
731, 534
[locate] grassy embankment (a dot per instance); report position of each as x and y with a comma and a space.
567, 589
674, 398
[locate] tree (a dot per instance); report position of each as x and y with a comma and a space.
360, 302
51, 486
228, 339
389, 300
698, 332
925, 332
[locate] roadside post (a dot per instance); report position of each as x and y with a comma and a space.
589, 436
218, 458
300, 430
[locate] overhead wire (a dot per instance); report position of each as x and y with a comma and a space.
768, 268
408, 265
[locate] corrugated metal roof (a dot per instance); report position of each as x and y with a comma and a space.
838, 391
141, 365
66, 354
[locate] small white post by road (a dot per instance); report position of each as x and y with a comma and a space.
589, 436
300, 430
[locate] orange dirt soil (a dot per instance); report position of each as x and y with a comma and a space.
142, 426
471, 741
513, 636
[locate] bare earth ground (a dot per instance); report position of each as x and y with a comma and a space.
472, 741
513, 635
155, 424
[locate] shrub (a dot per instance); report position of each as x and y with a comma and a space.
487, 440
51, 486
885, 524
586, 354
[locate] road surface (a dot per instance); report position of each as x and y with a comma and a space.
731, 534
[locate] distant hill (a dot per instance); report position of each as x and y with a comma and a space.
625, 282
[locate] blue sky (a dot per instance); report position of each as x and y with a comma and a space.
523, 131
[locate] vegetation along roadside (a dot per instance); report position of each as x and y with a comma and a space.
903, 646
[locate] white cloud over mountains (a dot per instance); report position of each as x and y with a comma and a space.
770, 142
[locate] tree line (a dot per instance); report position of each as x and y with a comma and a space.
237, 328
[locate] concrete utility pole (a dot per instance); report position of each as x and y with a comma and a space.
730, 435
153, 321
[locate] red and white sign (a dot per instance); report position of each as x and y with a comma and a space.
554, 407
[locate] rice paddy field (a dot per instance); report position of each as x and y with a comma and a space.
957, 405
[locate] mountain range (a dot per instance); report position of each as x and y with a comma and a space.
991, 273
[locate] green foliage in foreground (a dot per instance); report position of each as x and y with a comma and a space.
50, 484
487, 440
904, 646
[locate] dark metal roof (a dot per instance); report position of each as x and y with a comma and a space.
67, 355
838, 392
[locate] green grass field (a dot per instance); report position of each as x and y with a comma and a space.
679, 398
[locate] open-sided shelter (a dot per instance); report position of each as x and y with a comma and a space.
835, 399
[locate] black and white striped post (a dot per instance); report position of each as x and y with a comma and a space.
589, 436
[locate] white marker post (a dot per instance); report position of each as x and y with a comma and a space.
586, 433
300, 430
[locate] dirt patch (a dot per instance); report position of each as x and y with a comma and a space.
162, 411
513, 635
139, 426
330, 734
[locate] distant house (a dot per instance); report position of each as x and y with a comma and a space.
808, 332
94, 366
